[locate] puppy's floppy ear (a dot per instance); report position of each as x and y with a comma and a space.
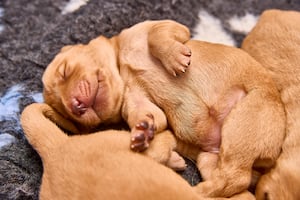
66, 48
49, 73
58, 60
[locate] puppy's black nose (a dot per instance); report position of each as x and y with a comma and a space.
78, 108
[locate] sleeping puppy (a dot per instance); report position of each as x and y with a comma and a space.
275, 43
225, 103
84, 83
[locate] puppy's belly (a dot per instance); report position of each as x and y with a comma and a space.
205, 133
195, 122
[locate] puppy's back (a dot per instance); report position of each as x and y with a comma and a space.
40, 132
101, 166
275, 43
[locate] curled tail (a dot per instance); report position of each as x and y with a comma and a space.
40, 130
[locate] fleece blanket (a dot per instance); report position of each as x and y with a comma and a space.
33, 31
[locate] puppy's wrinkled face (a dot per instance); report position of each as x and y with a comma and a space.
83, 84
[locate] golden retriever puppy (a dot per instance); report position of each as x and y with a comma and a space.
275, 43
225, 103
99, 165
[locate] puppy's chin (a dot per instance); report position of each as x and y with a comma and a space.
106, 106
103, 111
89, 121
106, 109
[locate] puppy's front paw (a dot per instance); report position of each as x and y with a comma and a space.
141, 135
177, 59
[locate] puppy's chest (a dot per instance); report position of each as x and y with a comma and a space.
138, 60
170, 94
159, 85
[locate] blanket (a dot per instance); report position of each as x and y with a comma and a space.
33, 31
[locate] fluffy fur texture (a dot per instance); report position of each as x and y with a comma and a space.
207, 97
275, 43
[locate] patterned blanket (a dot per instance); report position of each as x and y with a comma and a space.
33, 31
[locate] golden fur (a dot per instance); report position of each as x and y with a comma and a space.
216, 98
100, 165
275, 43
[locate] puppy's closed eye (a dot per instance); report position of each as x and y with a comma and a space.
63, 71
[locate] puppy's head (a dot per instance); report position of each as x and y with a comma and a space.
83, 83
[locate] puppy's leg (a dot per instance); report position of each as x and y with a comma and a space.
162, 150
143, 117
166, 42
206, 163
253, 131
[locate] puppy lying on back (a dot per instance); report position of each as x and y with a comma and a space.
275, 43
225, 103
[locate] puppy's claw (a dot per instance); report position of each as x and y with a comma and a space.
189, 63
187, 51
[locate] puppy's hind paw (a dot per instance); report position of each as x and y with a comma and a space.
176, 162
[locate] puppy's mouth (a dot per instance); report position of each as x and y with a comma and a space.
91, 99
78, 107
82, 98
